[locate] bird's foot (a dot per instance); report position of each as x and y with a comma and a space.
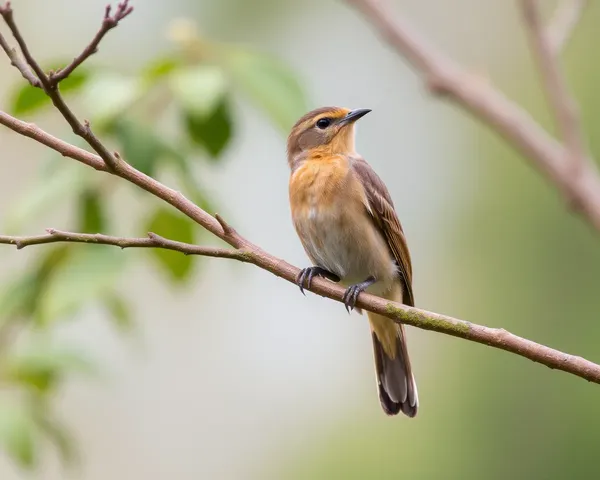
353, 292
306, 275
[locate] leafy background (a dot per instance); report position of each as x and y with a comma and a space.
148, 364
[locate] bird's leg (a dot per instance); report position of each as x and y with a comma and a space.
306, 275
353, 291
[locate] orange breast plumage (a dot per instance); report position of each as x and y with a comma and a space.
331, 219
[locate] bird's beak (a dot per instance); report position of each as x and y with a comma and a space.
354, 115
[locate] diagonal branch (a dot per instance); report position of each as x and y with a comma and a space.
522, 132
250, 253
110, 21
561, 101
17, 62
152, 241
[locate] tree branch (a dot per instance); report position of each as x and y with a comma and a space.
51, 88
110, 21
17, 62
563, 104
445, 77
441, 74
152, 241
251, 253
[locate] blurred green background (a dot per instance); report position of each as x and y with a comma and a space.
133, 364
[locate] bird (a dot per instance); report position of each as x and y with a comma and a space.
346, 221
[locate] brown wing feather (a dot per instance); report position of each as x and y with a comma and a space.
381, 209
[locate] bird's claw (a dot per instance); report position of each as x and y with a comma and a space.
306, 275
352, 292
350, 297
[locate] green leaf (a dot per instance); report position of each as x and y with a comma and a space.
20, 296
92, 218
47, 194
269, 84
198, 89
174, 225
17, 298
140, 146
213, 132
109, 95
58, 435
17, 432
90, 274
40, 365
28, 99
159, 68
118, 308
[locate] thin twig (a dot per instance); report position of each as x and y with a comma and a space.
251, 253
108, 23
563, 104
152, 241
488, 104
563, 23
51, 89
17, 62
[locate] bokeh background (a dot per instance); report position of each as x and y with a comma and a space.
232, 373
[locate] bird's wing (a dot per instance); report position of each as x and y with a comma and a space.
381, 208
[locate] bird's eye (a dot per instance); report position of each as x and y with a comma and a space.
323, 123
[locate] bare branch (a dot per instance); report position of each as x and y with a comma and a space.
492, 107
563, 23
110, 21
563, 104
152, 241
51, 89
17, 62
251, 253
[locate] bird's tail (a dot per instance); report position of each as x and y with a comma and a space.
395, 381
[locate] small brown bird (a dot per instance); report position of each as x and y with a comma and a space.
346, 221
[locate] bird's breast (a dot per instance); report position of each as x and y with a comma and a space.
331, 219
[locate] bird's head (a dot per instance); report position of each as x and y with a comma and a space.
326, 129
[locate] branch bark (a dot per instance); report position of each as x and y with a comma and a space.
484, 101
152, 241
493, 337
522, 132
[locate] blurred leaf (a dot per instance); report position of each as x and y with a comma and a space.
17, 431
92, 272
17, 297
58, 435
109, 95
40, 363
159, 68
20, 296
175, 226
119, 309
91, 212
212, 132
47, 193
28, 99
141, 146
198, 89
269, 84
